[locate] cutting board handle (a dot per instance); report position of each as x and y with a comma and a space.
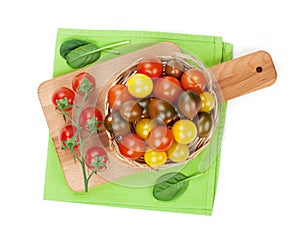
245, 74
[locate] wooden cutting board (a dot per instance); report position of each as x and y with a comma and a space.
236, 77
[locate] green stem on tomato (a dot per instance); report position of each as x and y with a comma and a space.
75, 155
64, 113
91, 174
81, 144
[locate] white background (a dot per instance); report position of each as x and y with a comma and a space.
259, 175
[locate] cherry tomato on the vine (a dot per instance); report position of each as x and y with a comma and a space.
117, 95
151, 66
131, 146
62, 94
193, 79
155, 158
160, 138
66, 137
91, 118
96, 157
83, 83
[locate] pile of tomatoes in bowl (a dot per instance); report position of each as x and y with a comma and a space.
161, 111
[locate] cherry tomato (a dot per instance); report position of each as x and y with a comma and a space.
162, 110
167, 88
184, 131
117, 95
151, 66
115, 124
189, 103
61, 94
90, 118
131, 146
160, 138
144, 103
207, 102
193, 79
174, 68
143, 127
66, 134
140, 85
204, 123
96, 157
154, 158
131, 111
83, 83
178, 152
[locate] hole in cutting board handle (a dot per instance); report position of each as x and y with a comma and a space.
259, 69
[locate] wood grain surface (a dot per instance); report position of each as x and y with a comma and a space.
236, 77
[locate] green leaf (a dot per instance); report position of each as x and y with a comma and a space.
70, 45
83, 55
170, 186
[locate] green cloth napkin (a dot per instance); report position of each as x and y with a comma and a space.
199, 197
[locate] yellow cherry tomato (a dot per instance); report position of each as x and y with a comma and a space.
140, 85
178, 152
155, 158
184, 131
144, 126
207, 101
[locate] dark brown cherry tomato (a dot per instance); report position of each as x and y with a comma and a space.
174, 68
167, 88
204, 123
144, 103
131, 146
117, 95
161, 109
115, 124
131, 111
160, 138
151, 66
189, 103
193, 79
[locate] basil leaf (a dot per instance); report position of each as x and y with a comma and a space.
70, 45
170, 186
83, 55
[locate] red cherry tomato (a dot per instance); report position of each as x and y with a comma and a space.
193, 79
83, 83
63, 93
131, 146
117, 95
151, 66
168, 88
65, 137
96, 157
90, 117
160, 138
